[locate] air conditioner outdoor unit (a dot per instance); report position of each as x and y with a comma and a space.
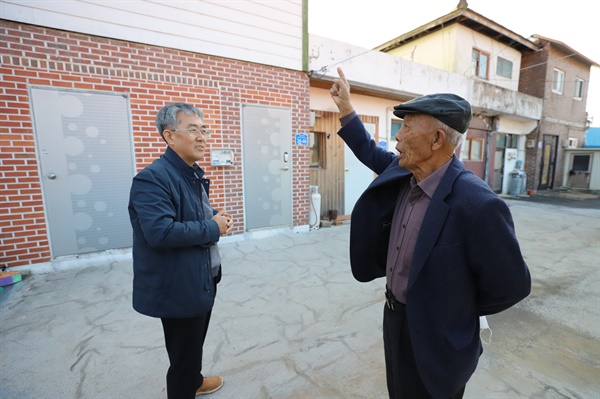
571, 142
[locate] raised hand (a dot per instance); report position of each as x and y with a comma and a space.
340, 93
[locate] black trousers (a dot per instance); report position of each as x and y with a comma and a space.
184, 340
403, 379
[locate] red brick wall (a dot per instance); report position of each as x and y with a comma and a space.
563, 116
151, 76
533, 78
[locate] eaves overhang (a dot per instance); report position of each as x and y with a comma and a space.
365, 89
567, 49
470, 19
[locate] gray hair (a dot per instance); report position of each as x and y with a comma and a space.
167, 116
453, 136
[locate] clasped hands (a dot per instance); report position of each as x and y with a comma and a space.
224, 221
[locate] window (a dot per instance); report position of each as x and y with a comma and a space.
507, 140
317, 149
480, 61
578, 88
504, 68
472, 150
558, 82
581, 163
396, 125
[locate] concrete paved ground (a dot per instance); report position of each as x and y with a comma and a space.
290, 322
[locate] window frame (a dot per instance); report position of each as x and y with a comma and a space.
507, 65
558, 79
468, 148
580, 160
393, 130
578, 89
320, 139
476, 60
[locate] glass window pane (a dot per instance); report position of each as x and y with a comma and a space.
578, 88
560, 81
504, 67
483, 61
475, 61
466, 150
476, 150
501, 141
559, 77
315, 150
581, 163
396, 125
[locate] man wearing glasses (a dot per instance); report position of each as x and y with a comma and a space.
176, 260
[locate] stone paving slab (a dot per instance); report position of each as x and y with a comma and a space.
291, 322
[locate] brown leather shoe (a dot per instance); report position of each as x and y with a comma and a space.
210, 385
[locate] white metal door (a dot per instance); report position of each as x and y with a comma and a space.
510, 163
357, 176
85, 154
267, 150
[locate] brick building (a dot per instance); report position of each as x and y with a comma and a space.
77, 122
560, 75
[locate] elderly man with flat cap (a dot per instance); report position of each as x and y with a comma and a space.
444, 241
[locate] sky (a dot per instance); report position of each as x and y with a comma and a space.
371, 23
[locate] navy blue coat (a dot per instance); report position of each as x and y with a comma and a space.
171, 238
467, 261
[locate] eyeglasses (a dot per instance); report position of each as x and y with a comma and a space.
194, 132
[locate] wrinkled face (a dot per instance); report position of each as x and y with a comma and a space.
415, 139
189, 146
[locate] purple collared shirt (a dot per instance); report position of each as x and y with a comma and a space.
411, 205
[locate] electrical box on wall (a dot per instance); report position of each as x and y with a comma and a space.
221, 157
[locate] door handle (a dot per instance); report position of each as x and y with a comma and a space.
286, 158
51, 176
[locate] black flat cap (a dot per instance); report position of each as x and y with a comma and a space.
451, 109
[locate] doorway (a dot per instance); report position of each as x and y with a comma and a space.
85, 156
580, 171
267, 155
549, 149
357, 176
505, 158
341, 178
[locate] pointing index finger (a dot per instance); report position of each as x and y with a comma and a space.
342, 76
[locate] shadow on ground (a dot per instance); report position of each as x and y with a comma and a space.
564, 197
